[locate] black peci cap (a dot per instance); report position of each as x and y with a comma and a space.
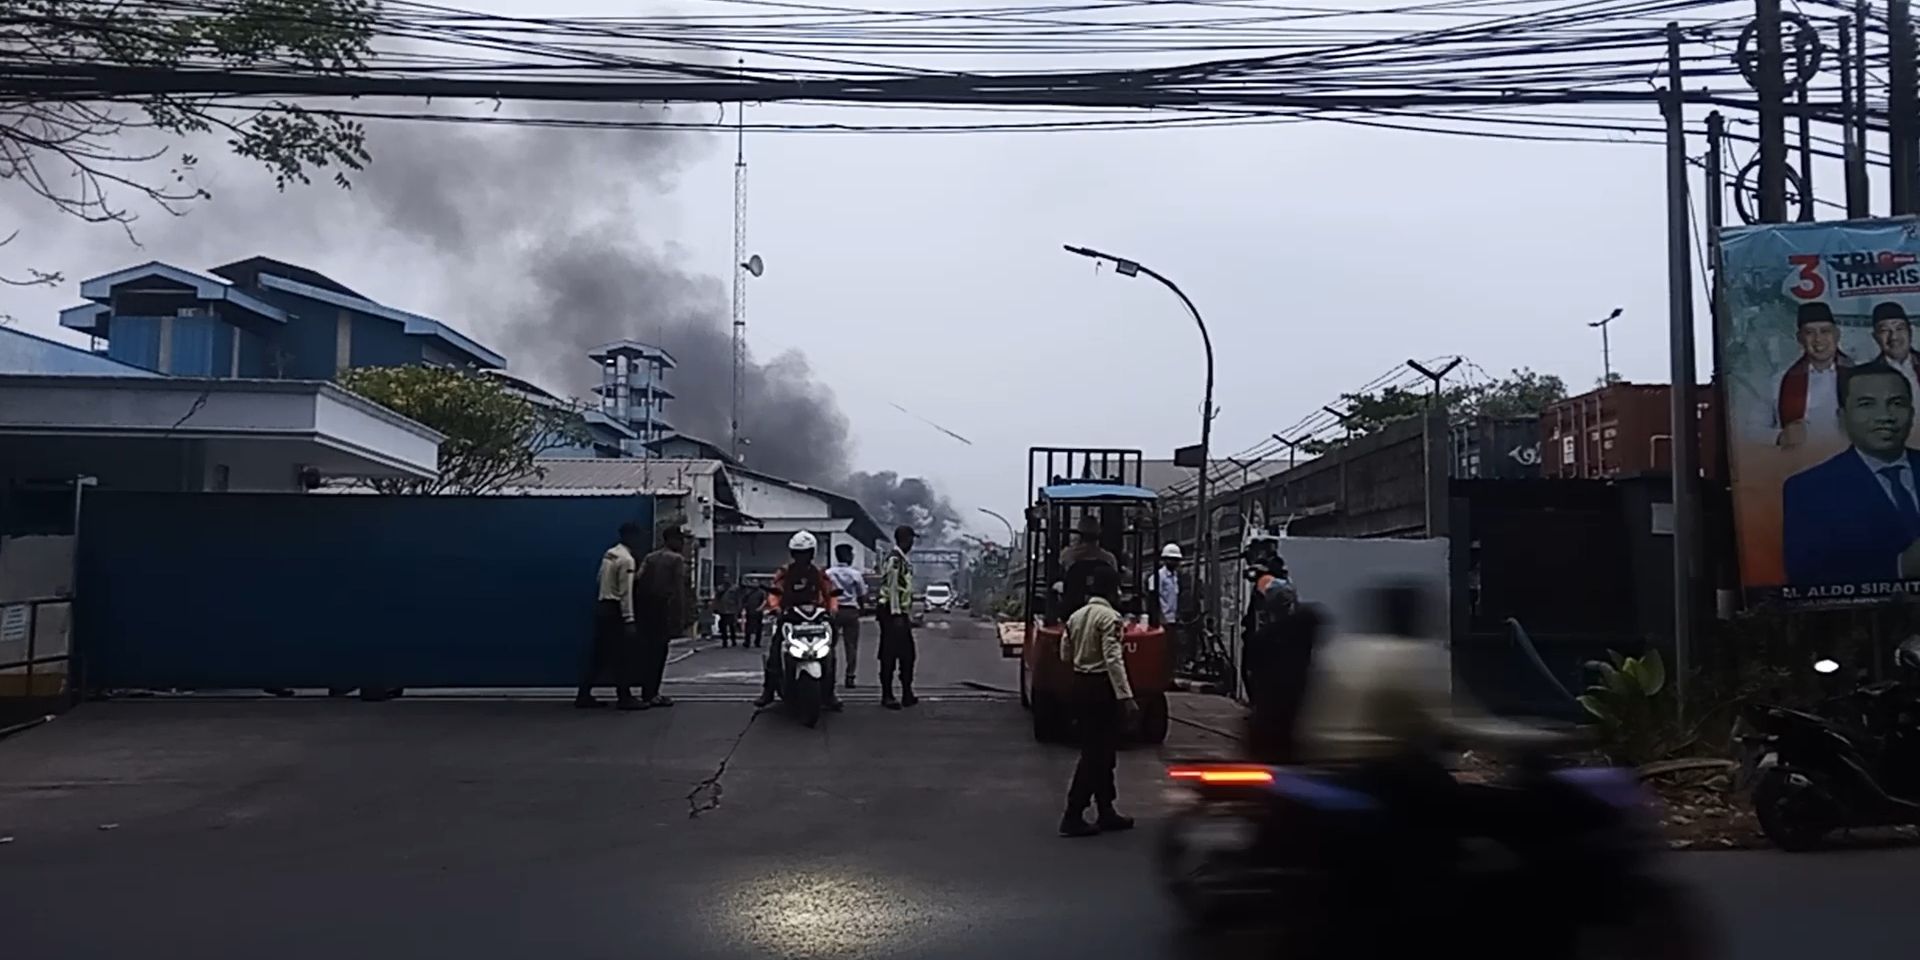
1815, 312
1888, 311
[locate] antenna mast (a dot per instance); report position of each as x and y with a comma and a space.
739, 263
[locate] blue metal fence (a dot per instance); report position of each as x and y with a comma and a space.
239, 591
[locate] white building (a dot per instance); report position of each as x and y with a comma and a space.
739, 520
188, 434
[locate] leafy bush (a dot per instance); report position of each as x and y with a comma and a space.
1636, 722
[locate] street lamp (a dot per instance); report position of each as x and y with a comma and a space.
1130, 268
1004, 520
1606, 348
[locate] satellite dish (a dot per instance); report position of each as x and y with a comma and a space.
755, 265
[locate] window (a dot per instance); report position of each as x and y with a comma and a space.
1566, 450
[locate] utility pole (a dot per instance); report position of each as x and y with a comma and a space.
1769, 85
1858, 118
739, 267
1903, 127
1852, 144
1680, 324
1606, 347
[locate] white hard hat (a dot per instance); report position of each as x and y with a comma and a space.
1170, 552
802, 541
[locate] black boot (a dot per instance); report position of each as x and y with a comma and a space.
765, 699
907, 699
886, 697
1111, 820
1074, 824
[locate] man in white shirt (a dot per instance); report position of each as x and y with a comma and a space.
1805, 394
849, 587
1893, 332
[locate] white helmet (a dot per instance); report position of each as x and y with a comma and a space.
1170, 552
802, 541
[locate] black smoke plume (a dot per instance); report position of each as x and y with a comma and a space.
894, 500
548, 243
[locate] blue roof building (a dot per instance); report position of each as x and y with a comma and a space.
258, 318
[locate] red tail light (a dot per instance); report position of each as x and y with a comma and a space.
1222, 774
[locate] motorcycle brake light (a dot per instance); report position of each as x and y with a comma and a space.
1222, 775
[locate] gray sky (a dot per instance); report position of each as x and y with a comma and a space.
926, 270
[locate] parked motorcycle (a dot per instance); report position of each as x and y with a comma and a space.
1557, 862
806, 641
1852, 762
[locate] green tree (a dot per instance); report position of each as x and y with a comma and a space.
1522, 393
86, 156
492, 433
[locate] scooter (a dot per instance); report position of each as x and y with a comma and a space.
806, 641
1852, 762
1564, 855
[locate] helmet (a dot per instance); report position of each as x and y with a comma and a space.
1907, 656
802, 541
1170, 552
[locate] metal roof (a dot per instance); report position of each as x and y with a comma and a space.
1097, 491
617, 475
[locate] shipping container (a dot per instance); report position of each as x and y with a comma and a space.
1621, 430
1501, 448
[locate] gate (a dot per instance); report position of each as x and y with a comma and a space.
240, 591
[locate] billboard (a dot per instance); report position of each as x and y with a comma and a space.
1820, 376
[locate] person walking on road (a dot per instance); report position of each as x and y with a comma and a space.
753, 600
613, 625
1103, 702
849, 588
664, 597
729, 608
896, 621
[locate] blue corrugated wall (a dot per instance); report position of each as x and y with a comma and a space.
238, 591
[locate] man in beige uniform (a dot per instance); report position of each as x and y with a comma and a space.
1103, 701
613, 628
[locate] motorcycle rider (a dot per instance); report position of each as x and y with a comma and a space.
1378, 706
798, 583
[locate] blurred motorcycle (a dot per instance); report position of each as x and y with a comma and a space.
1563, 857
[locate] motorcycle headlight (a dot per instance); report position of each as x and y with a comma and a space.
823, 645
796, 647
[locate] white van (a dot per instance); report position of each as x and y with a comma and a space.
939, 598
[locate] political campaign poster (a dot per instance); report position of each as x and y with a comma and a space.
1820, 376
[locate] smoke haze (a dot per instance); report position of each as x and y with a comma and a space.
549, 244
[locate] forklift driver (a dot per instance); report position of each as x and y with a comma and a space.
1086, 545
1078, 562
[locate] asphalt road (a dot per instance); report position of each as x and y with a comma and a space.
508, 828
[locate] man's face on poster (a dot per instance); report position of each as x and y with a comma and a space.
1876, 412
1895, 337
1820, 341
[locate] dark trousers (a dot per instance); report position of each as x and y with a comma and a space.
654, 634
611, 653
896, 651
1098, 714
729, 628
847, 621
753, 628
